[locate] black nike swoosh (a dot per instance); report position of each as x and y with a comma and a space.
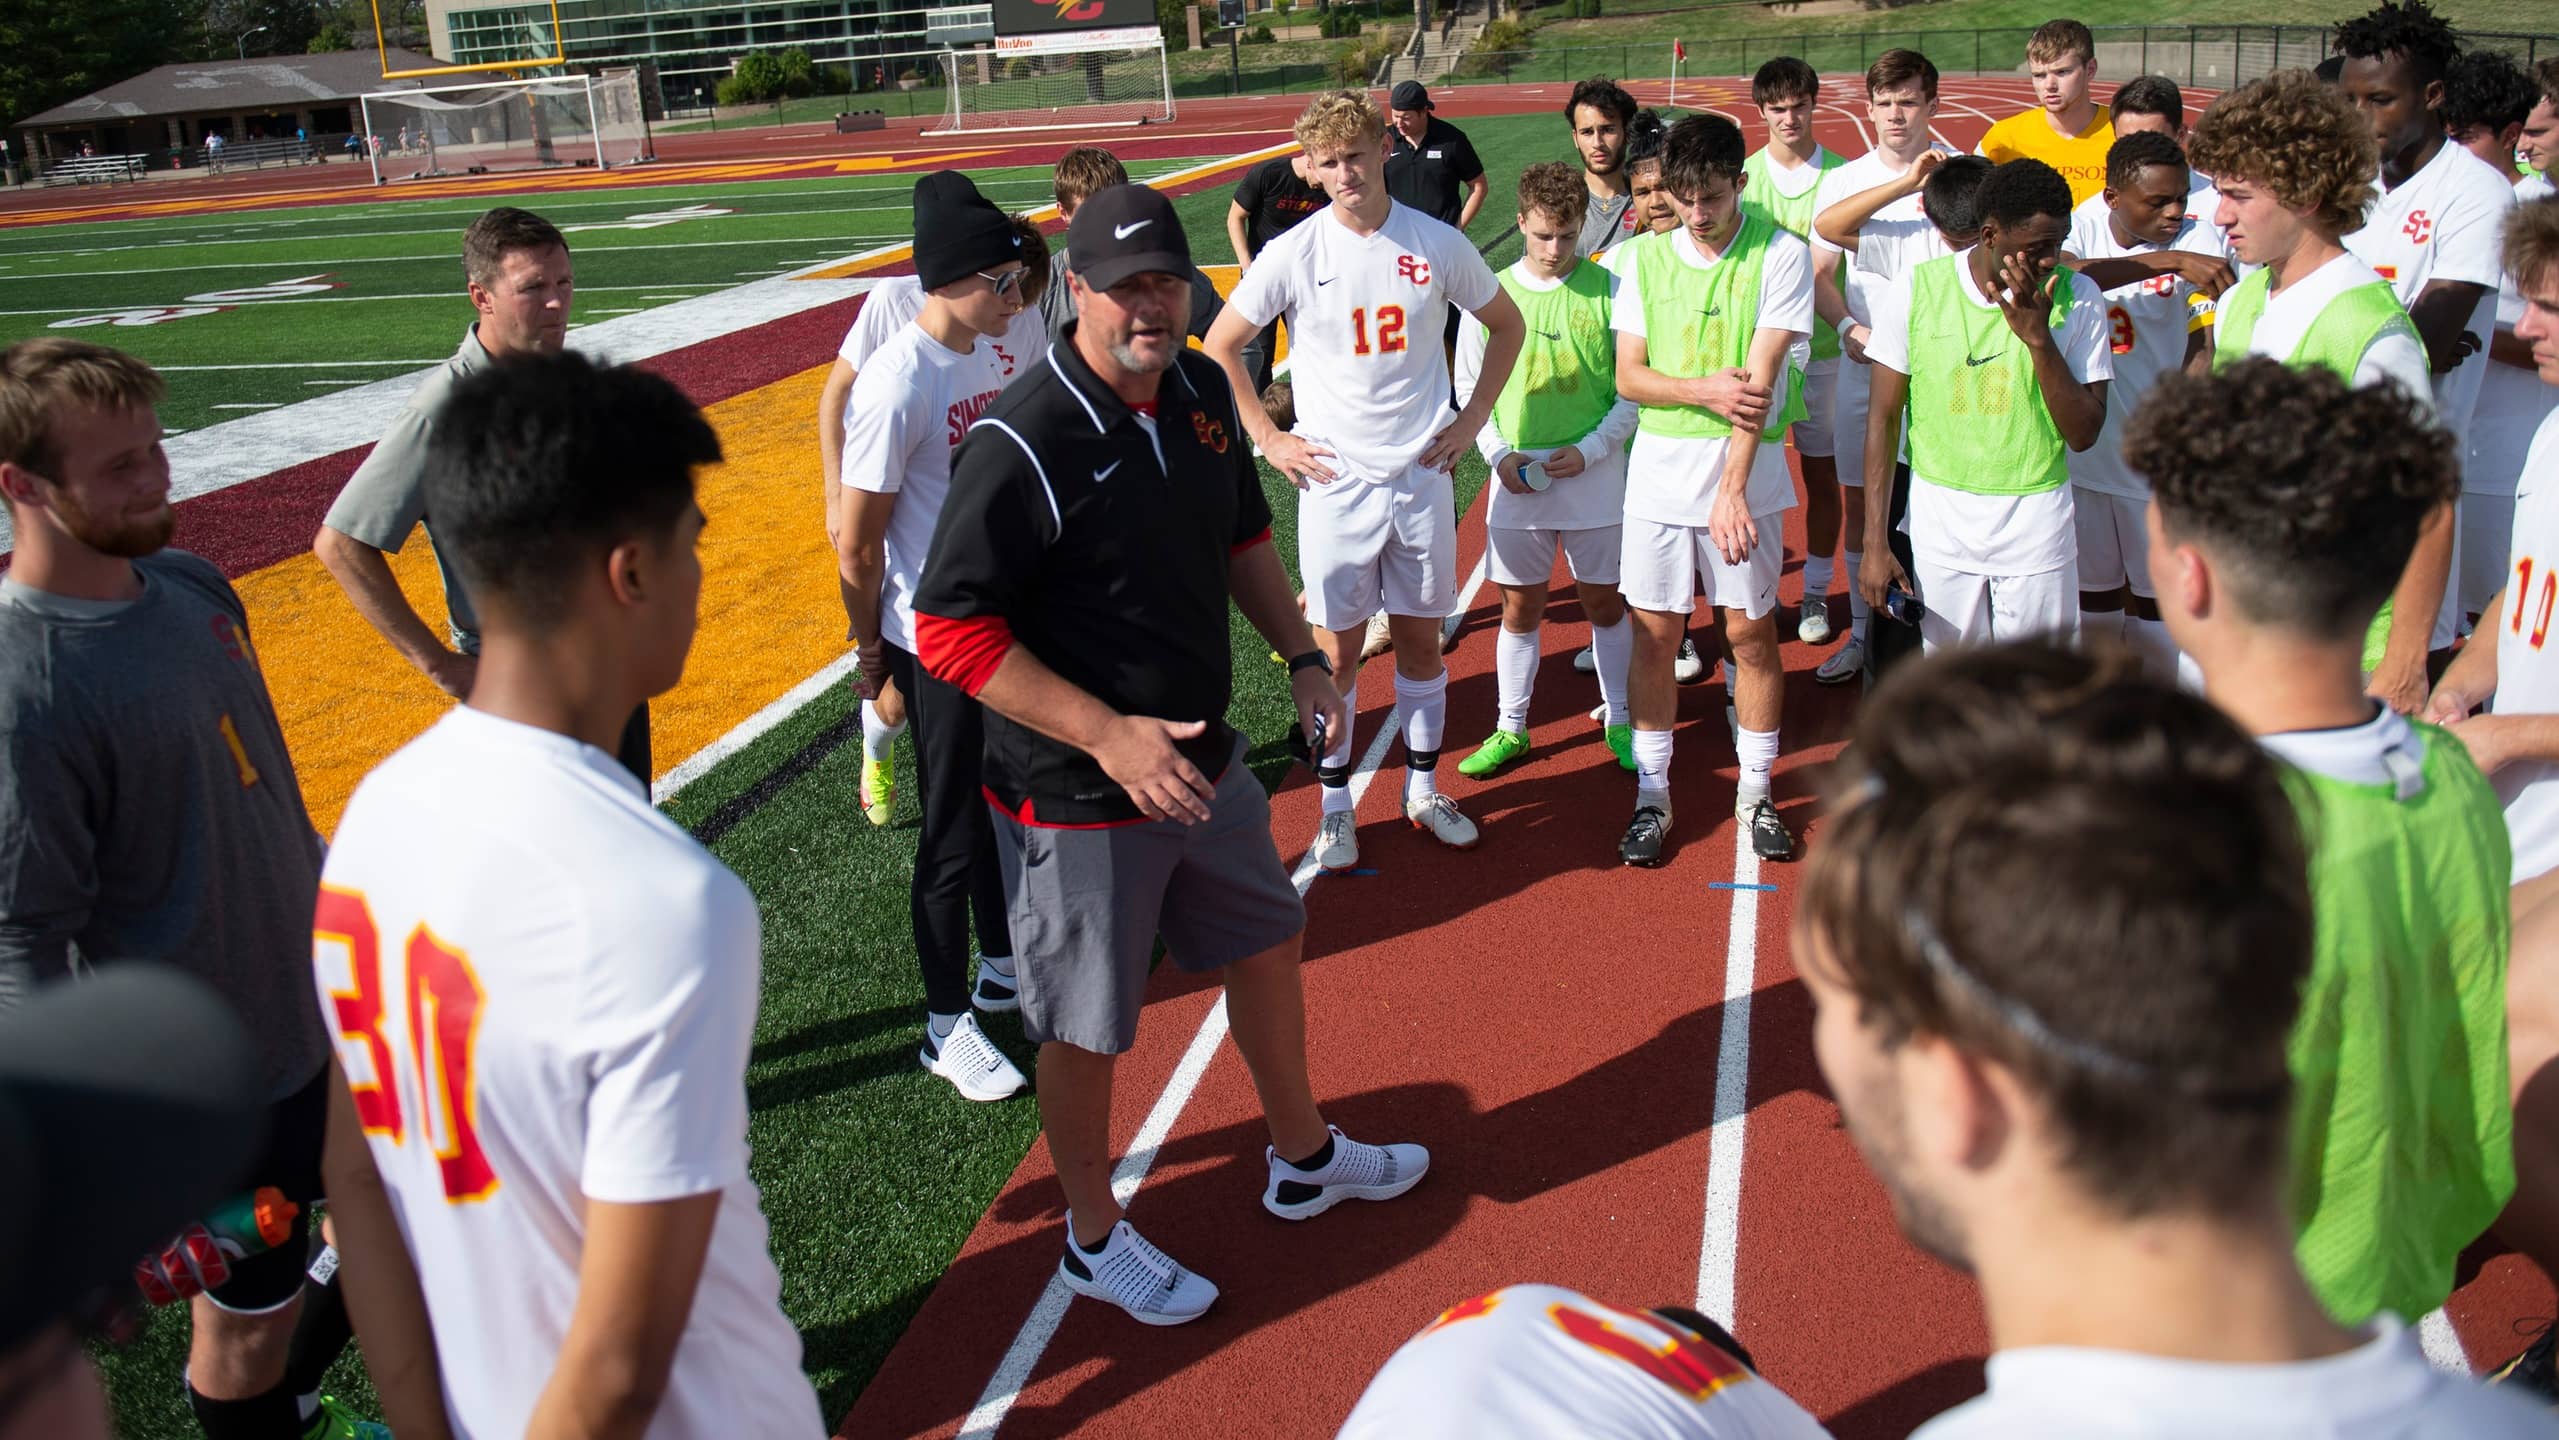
1717, 310
1984, 359
1328, 282
1551, 335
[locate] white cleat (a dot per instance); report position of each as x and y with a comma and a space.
1690, 667
1813, 627
1440, 817
972, 1064
1846, 663
1377, 641
1337, 841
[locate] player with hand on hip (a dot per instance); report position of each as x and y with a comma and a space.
1363, 287
1556, 444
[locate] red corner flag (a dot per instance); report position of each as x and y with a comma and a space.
1679, 49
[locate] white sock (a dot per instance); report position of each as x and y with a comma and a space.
1425, 707
1337, 798
1515, 674
1758, 752
941, 1025
1652, 760
1857, 608
1613, 648
1816, 579
877, 735
2149, 639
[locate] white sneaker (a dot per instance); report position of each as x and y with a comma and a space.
1690, 667
1378, 641
1586, 661
1448, 629
1140, 1279
1846, 663
1439, 815
970, 1061
1356, 1172
1337, 841
1813, 626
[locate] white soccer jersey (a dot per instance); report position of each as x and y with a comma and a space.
2512, 399
2446, 222
909, 410
1998, 535
1365, 316
1588, 501
2147, 329
2528, 654
1673, 479
900, 298
1899, 236
1533, 1362
545, 995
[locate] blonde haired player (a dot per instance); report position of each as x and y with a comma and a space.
1365, 288
1556, 443
2066, 130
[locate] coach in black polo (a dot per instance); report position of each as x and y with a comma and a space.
1101, 514
1430, 164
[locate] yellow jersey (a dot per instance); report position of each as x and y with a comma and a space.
2080, 158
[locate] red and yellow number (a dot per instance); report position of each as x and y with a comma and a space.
1689, 1364
2119, 326
2524, 599
1390, 330
239, 753
343, 919
442, 1010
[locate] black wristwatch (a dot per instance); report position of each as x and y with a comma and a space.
1311, 660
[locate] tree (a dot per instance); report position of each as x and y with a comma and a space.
62, 49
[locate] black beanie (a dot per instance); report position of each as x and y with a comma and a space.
958, 232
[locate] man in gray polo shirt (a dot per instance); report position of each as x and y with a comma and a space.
149, 812
520, 282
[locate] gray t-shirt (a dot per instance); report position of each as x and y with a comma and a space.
1604, 223
148, 807
1057, 302
386, 497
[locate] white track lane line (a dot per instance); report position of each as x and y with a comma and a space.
1718, 1255
1022, 1358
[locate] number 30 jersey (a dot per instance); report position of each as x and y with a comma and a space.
543, 995
1534, 1361
1367, 318
2528, 654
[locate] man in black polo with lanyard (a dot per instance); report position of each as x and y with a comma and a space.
1100, 515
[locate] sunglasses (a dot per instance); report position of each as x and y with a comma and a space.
1007, 284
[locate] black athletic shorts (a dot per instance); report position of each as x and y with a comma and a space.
298, 1125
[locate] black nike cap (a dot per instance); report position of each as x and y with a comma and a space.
1123, 231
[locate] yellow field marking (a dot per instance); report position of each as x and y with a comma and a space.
770, 616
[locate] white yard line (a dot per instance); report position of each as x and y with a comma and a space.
1022, 1358
1718, 1253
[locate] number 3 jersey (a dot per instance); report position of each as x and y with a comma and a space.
1534, 1361
2528, 655
2147, 328
1366, 319
544, 994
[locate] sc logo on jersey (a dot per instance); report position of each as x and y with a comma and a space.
1211, 433
1413, 268
2420, 227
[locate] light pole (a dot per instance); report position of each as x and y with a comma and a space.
244, 39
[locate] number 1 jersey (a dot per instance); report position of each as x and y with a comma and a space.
544, 994
1366, 319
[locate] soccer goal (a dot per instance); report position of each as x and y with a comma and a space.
496, 125
1065, 81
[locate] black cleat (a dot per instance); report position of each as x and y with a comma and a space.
2533, 1371
1647, 835
1769, 837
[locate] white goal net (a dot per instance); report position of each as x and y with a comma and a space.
1059, 82
499, 125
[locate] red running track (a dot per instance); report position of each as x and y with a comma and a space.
1553, 1025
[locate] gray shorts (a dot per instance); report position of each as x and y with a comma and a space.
1085, 907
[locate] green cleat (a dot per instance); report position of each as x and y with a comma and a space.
1621, 743
335, 1421
1493, 754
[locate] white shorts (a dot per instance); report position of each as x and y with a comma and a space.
1964, 608
1813, 434
1527, 557
1849, 399
2487, 534
2114, 546
1392, 545
1666, 565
